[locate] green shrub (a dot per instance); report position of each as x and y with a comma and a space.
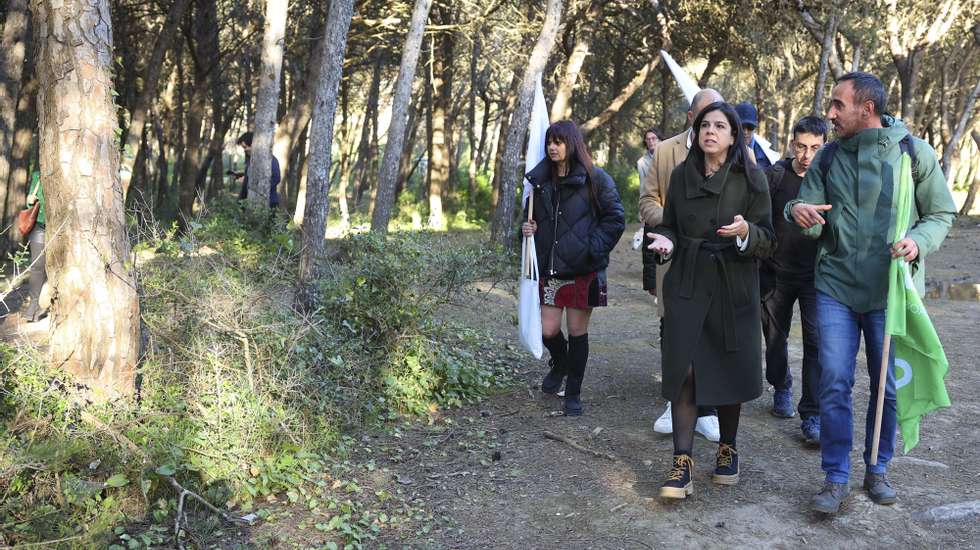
240, 395
628, 183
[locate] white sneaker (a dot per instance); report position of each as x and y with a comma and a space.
664, 424
708, 427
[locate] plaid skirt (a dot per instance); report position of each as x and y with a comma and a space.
582, 292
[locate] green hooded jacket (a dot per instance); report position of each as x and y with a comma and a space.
854, 248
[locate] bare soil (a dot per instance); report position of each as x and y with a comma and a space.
499, 482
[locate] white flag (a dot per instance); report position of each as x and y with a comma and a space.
690, 87
537, 127
528, 300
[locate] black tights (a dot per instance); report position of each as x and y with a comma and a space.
684, 413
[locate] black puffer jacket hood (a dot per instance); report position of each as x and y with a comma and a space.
575, 238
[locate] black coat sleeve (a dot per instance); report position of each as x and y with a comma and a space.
611, 217
762, 236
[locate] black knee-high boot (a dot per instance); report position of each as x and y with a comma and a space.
558, 348
578, 356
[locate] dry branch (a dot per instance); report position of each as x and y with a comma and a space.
577, 447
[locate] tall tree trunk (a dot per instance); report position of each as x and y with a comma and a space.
267, 103
399, 118
151, 78
332, 47
15, 43
221, 122
479, 152
471, 118
442, 84
345, 130
952, 146
562, 106
365, 153
506, 115
294, 124
203, 23
163, 168
25, 127
828, 45
95, 314
624, 95
971, 194
817, 31
503, 219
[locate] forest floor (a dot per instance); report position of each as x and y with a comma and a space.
493, 475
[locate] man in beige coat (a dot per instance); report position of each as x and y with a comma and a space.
653, 193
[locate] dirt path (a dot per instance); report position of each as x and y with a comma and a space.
496, 481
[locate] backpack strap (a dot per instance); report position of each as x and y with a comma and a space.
905, 144
827, 156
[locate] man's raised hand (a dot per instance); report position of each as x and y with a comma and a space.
807, 215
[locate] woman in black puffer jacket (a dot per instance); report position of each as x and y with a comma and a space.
578, 218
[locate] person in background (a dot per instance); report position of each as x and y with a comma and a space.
245, 142
653, 196
38, 277
651, 138
787, 278
717, 224
750, 121
577, 220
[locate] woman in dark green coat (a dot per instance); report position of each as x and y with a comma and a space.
717, 224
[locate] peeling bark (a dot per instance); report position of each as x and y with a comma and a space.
95, 310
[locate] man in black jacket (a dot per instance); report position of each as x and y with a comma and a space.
787, 277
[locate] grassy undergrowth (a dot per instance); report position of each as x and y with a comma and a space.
241, 397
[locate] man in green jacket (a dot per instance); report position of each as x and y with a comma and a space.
846, 202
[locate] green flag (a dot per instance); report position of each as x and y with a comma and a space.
920, 362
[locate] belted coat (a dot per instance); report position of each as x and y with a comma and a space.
711, 292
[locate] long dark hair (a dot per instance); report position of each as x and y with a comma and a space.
736, 153
565, 131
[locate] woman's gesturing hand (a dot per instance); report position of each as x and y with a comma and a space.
529, 228
661, 245
738, 228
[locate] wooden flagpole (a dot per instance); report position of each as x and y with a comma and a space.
880, 405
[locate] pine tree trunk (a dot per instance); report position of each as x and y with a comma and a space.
267, 103
194, 167
562, 107
25, 128
95, 314
292, 127
503, 219
399, 118
365, 153
442, 84
828, 45
15, 43
332, 46
151, 78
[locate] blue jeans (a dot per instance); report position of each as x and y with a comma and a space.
840, 335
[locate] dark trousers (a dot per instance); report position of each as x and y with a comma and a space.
779, 292
38, 276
